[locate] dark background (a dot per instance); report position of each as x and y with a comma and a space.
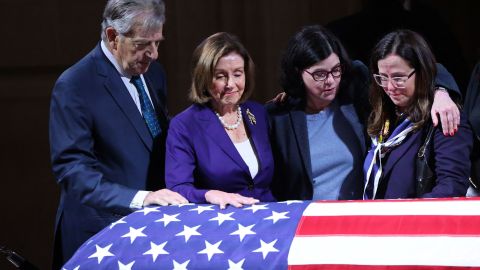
40, 39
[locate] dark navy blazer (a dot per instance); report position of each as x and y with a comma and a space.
200, 156
102, 152
451, 163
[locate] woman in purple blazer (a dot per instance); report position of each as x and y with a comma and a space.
401, 96
218, 149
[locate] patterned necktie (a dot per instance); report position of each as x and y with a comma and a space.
147, 108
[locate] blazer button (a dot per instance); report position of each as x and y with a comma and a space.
250, 186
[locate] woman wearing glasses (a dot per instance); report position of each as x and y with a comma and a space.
402, 93
318, 134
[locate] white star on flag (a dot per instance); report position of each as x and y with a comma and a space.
156, 250
256, 207
291, 202
180, 266
202, 208
122, 266
147, 210
188, 232
117, 222
235, 266
222, 217
101, 253
266, 248
167, 219
211, 250
243, 231
277, 216
134, 233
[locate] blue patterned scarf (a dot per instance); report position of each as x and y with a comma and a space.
373, 162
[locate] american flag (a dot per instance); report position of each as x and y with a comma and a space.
383, 234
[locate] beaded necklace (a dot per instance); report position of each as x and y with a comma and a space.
233, 126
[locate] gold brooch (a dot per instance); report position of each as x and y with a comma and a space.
251, 117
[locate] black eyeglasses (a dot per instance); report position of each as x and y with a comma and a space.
320, 75
398, 82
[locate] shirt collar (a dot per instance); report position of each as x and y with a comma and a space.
112, 59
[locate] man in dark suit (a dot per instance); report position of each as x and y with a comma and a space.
472, 110
107, 127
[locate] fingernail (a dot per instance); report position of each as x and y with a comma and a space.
451, 133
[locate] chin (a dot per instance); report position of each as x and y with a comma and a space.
143, 70
230, 102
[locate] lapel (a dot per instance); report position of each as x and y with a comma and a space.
299, 124
114, 85
400, 150
257, 134
211, 126
348, 111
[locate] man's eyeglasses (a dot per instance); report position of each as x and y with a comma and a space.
320, 75
397, 82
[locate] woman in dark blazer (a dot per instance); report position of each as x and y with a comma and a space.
318, 135
218, 149
326, 89
404, 70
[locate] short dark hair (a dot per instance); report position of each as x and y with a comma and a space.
205, 58
307, 47
412, 48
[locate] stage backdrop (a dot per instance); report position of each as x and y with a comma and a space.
395, 234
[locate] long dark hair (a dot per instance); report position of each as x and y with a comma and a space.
307, 47
413, 48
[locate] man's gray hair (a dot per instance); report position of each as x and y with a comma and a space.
126, 15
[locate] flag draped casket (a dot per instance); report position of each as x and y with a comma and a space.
397, 234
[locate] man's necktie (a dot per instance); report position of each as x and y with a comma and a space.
147, 108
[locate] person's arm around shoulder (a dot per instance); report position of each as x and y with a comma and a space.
443, 105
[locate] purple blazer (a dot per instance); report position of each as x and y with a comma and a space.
451, 159
200, 156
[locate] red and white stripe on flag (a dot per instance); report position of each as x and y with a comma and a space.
388, 234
